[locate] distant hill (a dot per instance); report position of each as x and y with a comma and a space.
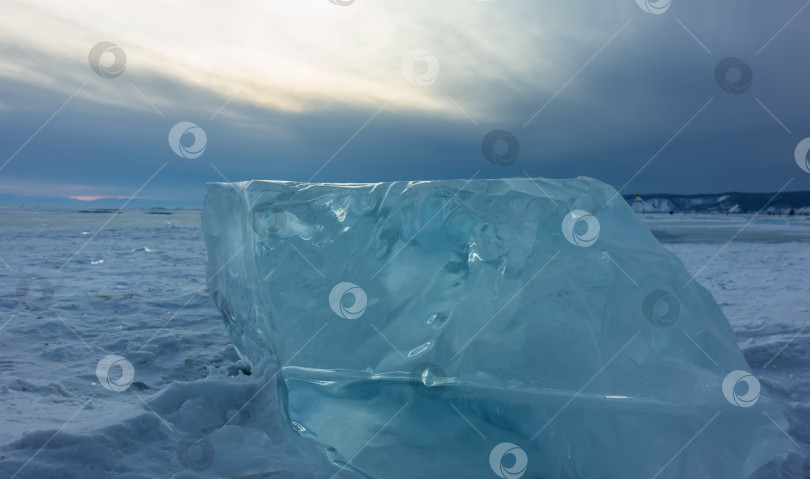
724, 203
18, 200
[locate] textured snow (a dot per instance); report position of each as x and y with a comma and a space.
187, 378
567, 332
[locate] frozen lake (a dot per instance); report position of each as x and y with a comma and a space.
133, 285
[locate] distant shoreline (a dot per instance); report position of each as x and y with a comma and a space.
792, 203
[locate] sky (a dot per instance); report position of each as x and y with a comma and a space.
104, 98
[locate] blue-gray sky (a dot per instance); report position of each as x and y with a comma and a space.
315, 90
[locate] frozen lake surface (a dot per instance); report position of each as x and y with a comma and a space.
133, 285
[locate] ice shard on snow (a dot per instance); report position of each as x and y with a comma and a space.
483, 328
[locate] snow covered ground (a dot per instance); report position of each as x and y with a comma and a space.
133, 285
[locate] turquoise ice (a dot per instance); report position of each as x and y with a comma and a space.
483, 328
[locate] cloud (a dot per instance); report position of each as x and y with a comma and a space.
284, 88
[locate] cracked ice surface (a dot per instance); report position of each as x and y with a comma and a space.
483, 328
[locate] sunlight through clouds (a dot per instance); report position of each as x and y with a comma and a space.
295, 56
375, 90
